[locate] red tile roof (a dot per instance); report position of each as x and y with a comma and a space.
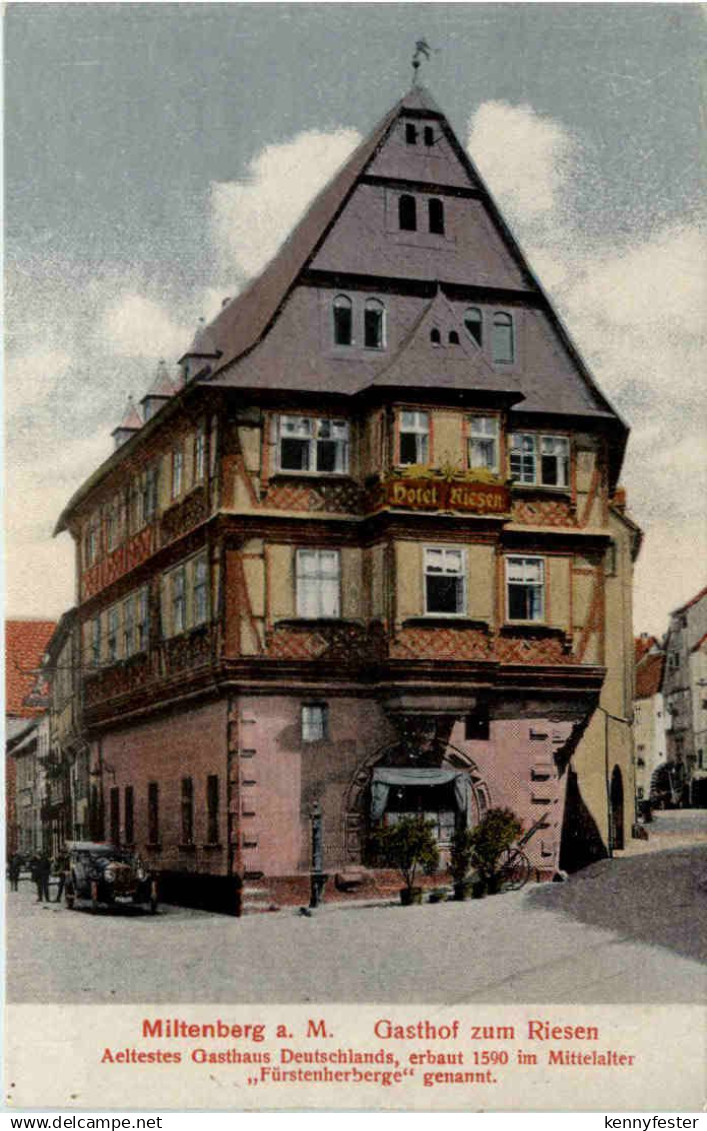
25, 644
643, 644
649, 675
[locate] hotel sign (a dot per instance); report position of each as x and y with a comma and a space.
446, 495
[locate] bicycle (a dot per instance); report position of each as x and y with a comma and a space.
515, 867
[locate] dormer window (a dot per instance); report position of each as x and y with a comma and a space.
374, 324
473, 324
309, 444
343, 321
407, 213
429, 135
435, 337
410, 133
435, 210
502, 345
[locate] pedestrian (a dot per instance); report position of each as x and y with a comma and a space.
41, 869
15, 867
61, 867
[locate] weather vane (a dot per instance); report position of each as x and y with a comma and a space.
422, 51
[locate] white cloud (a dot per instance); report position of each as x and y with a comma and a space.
31, 378
136, 326
251, 218
526, 158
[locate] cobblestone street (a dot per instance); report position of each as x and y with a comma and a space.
628, 930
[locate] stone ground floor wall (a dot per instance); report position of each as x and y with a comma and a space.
530, 763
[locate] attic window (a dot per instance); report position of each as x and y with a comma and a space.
474, 325
410, 133
429, 135
343, 321
407, 213
435, 337
502, 337
374, 324
453, 338
436, 216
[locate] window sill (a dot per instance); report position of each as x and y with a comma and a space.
213, 846
284, 473
316, 622
533, 628
541, 488
190, 847
431, 619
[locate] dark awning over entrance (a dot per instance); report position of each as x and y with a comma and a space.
384, 777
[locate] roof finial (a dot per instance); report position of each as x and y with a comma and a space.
422, 50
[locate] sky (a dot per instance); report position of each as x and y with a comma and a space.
156, 155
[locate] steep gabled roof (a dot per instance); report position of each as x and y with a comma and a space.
649, 675
25, 643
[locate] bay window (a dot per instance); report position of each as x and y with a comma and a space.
318, 581
414, 437
309, 444
445, 581
525, 588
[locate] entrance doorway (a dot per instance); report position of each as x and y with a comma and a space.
617, 808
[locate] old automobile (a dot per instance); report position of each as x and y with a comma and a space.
103, 874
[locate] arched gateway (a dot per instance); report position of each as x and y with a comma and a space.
407, 777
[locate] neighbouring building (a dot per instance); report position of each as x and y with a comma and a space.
685, 695
25, 642
66, 810
648, 714
367, 553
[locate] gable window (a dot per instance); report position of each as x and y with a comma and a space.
315, 722
435, 337
502, 342
407, 213
177, 469
187, 811
483, 442
308, 444
429, 135
343, 321
474, 324
410, 133
453, 338
525, 588
444, 582
374, 324
199, 454
318, 578
200, 591
539, 459
414, 437
179, 617
435, 211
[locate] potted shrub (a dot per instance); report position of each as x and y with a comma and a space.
498, 830
460, 861
407, 846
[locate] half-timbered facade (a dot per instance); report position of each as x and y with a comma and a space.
367, 552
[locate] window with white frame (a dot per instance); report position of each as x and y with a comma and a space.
177, 472
540, 460
112, 634
502, 344
318, 577
525, 588
200, 591
129, 626
343, 321
310, 444
96, 641
374, 324
179, 605
445, 581
315, 722
483, 442
414, 437
199, 453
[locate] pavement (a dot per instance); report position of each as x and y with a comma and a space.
628, 930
